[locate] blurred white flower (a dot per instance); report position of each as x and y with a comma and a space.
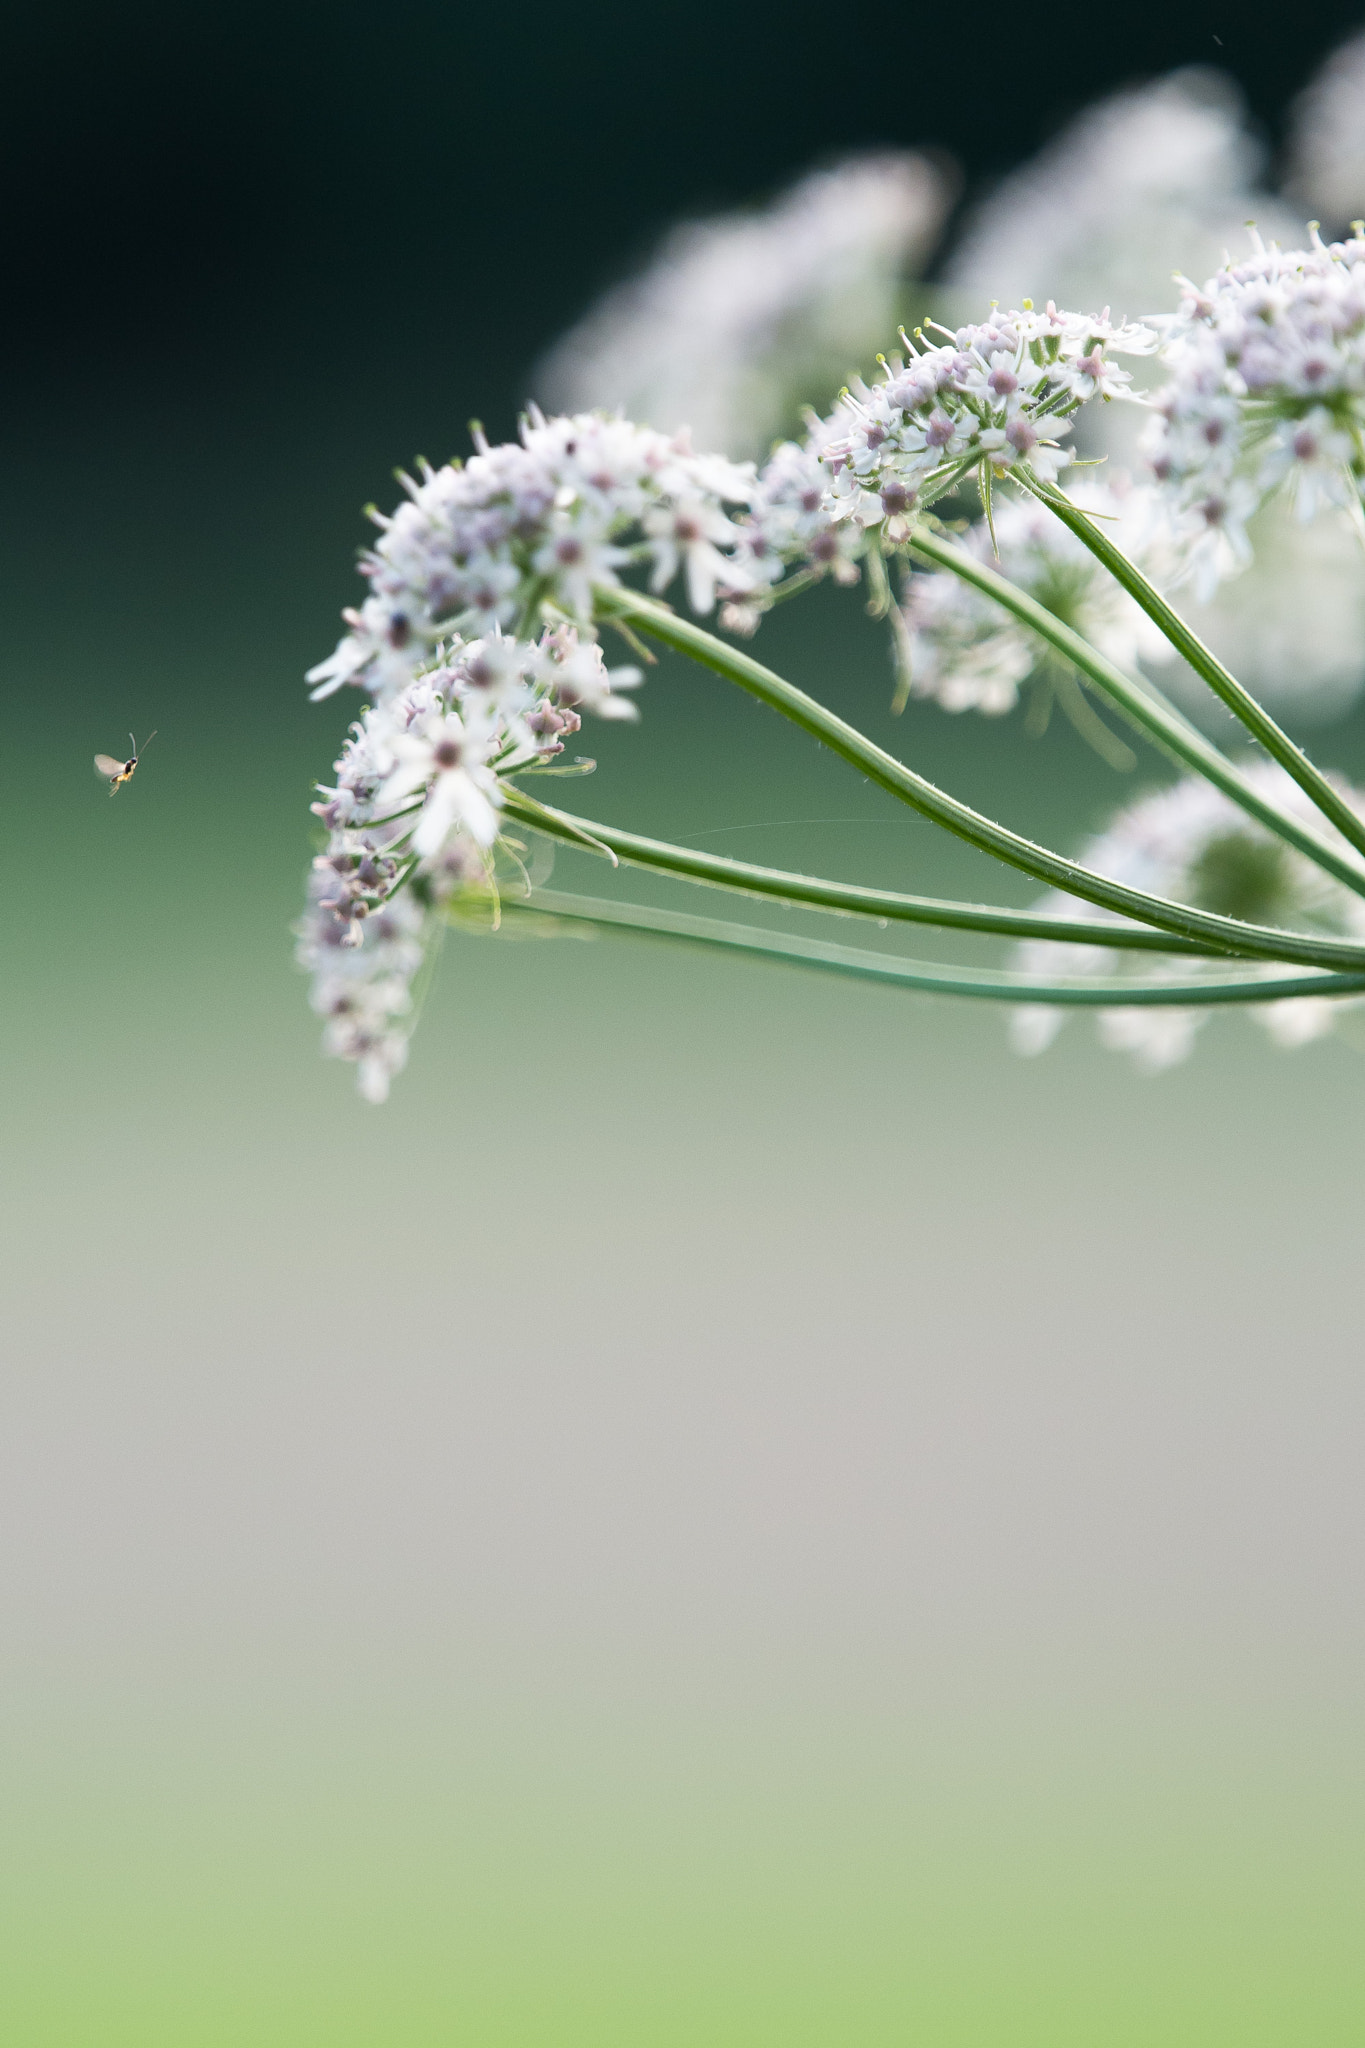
1291, 627
1193, 843
969, 654
1326, 150
1148, 181
740, 319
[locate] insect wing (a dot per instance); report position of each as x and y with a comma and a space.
106, 765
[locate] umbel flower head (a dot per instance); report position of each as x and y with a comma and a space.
1192, 843
992, 396
1266, 387
531, 526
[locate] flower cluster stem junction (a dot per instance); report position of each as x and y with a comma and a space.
928, 978
814, 892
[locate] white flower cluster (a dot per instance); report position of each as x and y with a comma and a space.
999, 393
413, 818
534, 524
1266, 386
1193, 843
512, 545
968, 654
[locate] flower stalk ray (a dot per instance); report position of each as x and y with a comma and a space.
811, 892
1225, 934
925, 977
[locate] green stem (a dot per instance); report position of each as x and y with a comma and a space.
1093, 991
1161, 723
1205, 663
1225, 934
811, 892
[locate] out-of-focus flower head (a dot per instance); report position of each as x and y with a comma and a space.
1152, 179
1193, 843
1326, 149
968, 654
739, 320
1292, 626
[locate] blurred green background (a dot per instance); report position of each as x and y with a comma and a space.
734, 1510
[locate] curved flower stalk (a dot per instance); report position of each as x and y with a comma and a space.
477, 649
1291, 626
1189, 841
1224, 935
934, 978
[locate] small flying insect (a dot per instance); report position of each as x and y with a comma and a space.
119, 772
